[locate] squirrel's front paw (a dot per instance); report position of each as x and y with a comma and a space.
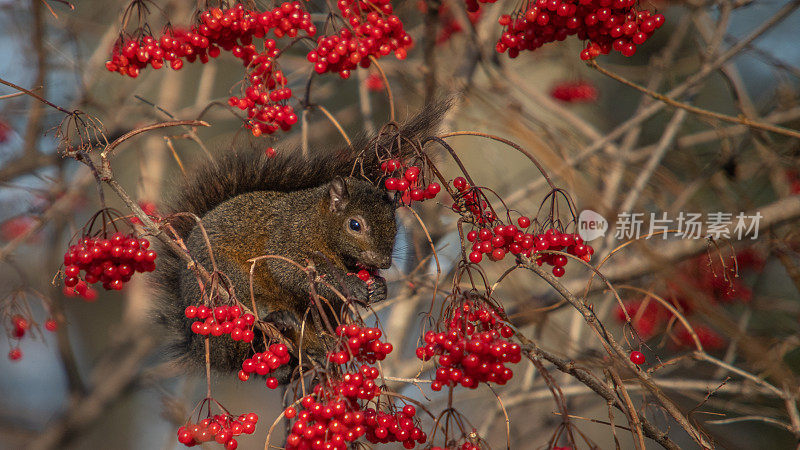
376, 286
354, 288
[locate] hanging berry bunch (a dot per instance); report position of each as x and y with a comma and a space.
406, 179
221, 428
110, 260
333, 416
265, 97
18, 320
497, 239
231, 29
374, 31
362, 343
472, 203
474, 348
347, 403
19, 326
501, 240
81, 290
264, 363
720, 284
574, 92
221, 320
605, 24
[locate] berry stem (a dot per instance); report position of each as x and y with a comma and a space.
510, 144
208, 367
335, 124
386, 85
172, 123
37, 97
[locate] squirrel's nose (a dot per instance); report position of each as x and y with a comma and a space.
377, 260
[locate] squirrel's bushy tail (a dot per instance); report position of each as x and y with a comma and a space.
239, 172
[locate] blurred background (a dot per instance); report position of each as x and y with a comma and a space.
102, 379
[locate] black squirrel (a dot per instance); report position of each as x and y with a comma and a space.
324, 209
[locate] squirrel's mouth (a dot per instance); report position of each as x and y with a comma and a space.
373, 271
354, 266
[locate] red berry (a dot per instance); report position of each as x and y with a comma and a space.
433, 189
498, 254
475, 257
15, 354
637, 357
460, 183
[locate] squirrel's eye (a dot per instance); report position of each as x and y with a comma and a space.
355, 225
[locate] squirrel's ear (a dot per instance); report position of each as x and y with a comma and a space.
338, 194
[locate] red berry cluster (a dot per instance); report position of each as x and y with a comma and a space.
720, 285
469, 201
606, 24
333, 420
574, 92
648, 317
222, 428
110, 261
221, 320
266, 362
407, 180
497, 242
335, 417
356, 385
19, 326
231, 29
81, 289
384, 428
474, 348
374, 31
266, 95
363, 343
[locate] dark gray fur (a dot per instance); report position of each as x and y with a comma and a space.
274, 206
